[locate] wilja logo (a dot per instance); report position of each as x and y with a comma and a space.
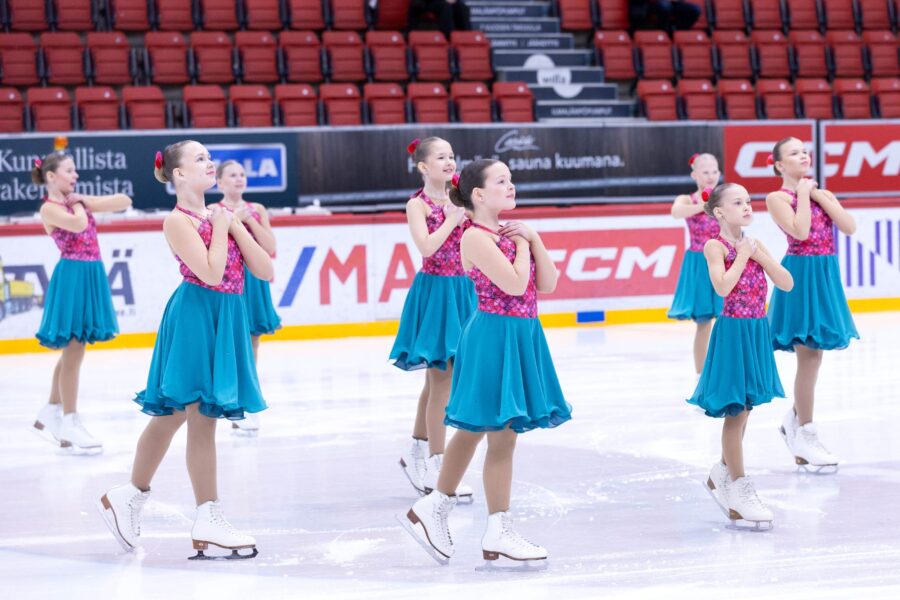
751, 159
511, 141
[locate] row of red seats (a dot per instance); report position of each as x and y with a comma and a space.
700, 99
188, 15
821, 15
203, 106
253, 57
731, 54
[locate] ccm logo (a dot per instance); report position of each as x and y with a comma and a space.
610, 263
859, 155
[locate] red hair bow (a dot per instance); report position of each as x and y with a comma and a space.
454, 181
706, 193
157, 161
770, 160
411, 148
693, 157
38, 163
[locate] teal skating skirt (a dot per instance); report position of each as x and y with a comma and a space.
261, 313
436, 309
695, 298
202, 354
77, 305
739, 372
503, 377
815, 313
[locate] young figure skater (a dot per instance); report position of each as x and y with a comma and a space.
815, 316
504, 382
202, 367
739, 372
695, 298
78, 307
232, 181
437, 306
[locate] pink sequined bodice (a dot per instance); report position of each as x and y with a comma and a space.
233, 279
446, 260
701, 228
821, 231
748, 298
491, 299
77, 246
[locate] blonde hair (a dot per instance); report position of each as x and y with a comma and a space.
224, 165
171, 159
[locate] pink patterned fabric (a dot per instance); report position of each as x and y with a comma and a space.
491, 299
446, 260
748, 298
233, 280
821, 231
701, 227
77, 246
253, 213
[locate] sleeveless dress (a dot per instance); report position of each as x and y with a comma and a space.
695, 298
739, 372
815, 314
203, 351
503, 375
440, 301
78, 302
257, 294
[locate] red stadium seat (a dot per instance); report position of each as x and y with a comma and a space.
218, 15
883, 50
27, 15
816, 99
111, 61
341, 102
776, 98
129, 15
392, 14
252, 105
145, 107
694, 54
18, 59
846, 50
12, 110
698, 99
344, 51
766, 14
732, 52
773, 57
613, 14
51, 109
575, 15
429, 102
204, 106
174, 15
730, 14
615, 54
305, 14
257, 56
165, 57
297, 105
213, 57
657, 99
97, 108
386, 102
655, 54
803, 14
809, 54
473, 55
348, 14
515, 102
74, 15
387, 50
63, 58
875, 14
263, 15
887, 96
854, 98
301, 56
738, 99
703, 21
472, 101
431, 55
839, 14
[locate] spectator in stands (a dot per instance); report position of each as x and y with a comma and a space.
450, 14
663, 14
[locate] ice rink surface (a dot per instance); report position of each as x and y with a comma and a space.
615, 494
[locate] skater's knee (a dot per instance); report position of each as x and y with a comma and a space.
502, 442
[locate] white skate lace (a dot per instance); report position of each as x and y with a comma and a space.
747, 494
811, 437
443, 513
506, 530
135, 505
218, 519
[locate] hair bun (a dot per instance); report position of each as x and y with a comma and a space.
693, 157
706, 193
411, 148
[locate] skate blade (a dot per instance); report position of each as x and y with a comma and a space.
808, 469
405, 468
422, 539
712, 494
200, 546
502, 563
245, 433
745, 525
109, 517
79, 450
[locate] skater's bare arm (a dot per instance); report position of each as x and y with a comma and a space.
258, 260
479, 249
208, 264
55, 215
723, 280
429, 243
684, 207
261, 230
832, 206
111, 203
546, 274
780, 276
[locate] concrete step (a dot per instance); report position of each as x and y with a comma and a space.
546, 110
535, 59
553, 75
595, 91
534, 25
546, 41
508, 10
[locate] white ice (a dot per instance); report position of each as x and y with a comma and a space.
615, 494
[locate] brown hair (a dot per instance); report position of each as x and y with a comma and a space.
423, 148
49, 164
776, 153
171, 158
714, 199
471, 177
224, 165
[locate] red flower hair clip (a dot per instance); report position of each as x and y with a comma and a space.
693, 157
411, 148
706, 193
157, 161
38, 162
454, 181
770, 160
